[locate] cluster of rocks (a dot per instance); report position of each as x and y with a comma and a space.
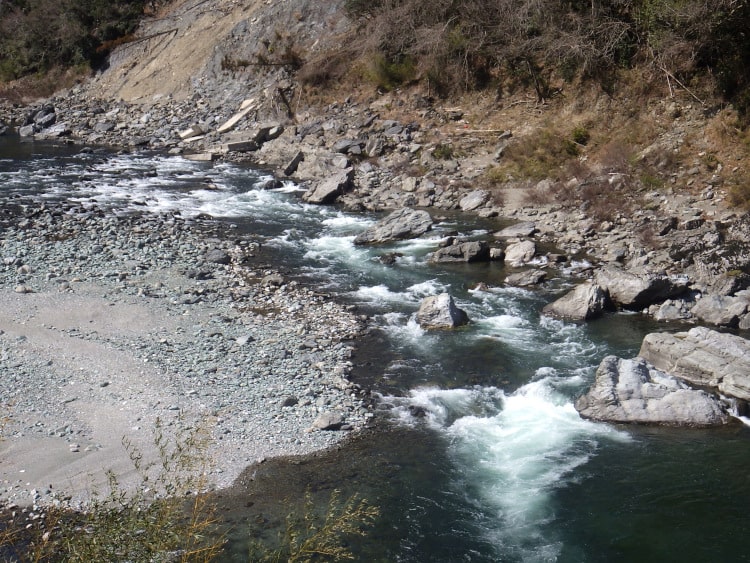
264, 360
695, 378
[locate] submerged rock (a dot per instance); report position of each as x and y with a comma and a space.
632, 391
441, 312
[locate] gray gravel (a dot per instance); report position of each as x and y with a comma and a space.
109, 323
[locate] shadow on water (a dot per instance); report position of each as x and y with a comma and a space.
401, 471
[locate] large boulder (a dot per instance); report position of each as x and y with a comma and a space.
587, 301
720, 310
703, 357
524, 229
526, 278
331, 188
474, 200
440, 312
473, 251
520, 253
636, 291
401, 224
631, 391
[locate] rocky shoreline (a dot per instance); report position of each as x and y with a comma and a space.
676, 258
678, 253
114, 321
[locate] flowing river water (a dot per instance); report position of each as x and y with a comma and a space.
500, 467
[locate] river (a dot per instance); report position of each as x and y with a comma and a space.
501, 467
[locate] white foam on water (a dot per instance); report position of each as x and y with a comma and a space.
335, 248
419, 291
382, 295
343, 222
376, 294
514, 450
403, 330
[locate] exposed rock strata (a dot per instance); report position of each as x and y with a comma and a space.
703, 357
631, 391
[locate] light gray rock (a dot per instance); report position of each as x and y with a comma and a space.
720, 310
473, 251
631, 391
671, 310
519, 253
331, 188
218, 256
497, 253
328, 421
440, 312
635, 291
587, 301
703, 357
525, 229
401, 224
474, 200
526, 278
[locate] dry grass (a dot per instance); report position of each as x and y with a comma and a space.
31, 88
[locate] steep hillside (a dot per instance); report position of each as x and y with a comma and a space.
220, 48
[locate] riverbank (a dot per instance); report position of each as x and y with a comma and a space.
113, 321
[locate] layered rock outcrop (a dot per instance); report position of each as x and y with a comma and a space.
632, 391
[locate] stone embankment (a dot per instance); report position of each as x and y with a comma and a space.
111, 322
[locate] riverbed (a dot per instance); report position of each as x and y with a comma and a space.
498, 466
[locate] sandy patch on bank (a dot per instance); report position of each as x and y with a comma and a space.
63, 380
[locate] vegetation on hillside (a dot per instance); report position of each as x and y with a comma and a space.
463, 45
37, 36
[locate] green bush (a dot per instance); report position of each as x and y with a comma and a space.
37, 35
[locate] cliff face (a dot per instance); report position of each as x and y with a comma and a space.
220, 49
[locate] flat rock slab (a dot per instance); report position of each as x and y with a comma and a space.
703, 357
401, 224
632, 391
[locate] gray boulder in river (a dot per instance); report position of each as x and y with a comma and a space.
632, 391
330, 189
401, 224
635, 291
472, 251
440, 312
587, 301
703, 357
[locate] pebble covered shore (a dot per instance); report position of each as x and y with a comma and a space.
112, 321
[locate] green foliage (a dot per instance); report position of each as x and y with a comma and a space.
581, 135
37, 35
459, 45
312, 537
443, 152
390, 74
539, 156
